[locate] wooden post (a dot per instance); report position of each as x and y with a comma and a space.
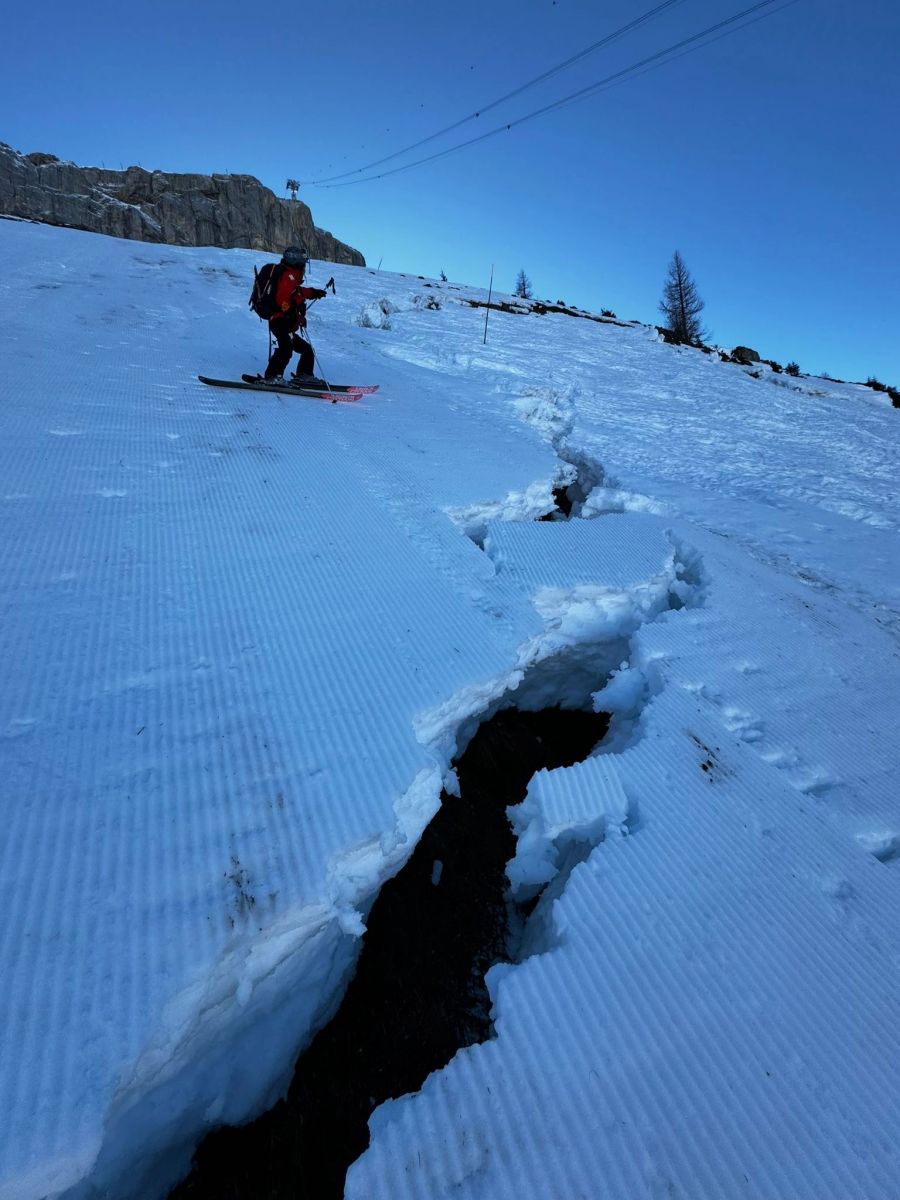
487, 311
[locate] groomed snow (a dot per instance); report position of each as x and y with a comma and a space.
244, 636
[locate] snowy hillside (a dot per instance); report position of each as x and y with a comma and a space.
245, 636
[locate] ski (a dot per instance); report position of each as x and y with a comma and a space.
364, 389
347, 393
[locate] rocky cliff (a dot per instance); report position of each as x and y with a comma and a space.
156, 206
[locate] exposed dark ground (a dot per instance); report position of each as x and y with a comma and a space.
418, 994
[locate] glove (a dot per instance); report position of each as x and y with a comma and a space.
319, 293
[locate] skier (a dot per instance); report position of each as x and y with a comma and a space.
289, 315
279, 297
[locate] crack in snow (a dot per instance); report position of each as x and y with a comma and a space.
418, 993
580, 487
580, 663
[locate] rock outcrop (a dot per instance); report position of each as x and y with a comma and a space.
158, 206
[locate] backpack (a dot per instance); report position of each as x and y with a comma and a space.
265, 284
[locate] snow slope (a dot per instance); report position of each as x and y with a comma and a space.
244, 636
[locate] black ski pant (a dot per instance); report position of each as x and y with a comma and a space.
284, 330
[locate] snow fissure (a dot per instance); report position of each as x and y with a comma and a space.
580, 486
478, 890
480, 887
419, 991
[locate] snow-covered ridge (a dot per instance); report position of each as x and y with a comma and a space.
245, 637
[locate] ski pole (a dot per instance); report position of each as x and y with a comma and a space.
317, 362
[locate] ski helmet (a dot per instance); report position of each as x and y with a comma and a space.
295, 256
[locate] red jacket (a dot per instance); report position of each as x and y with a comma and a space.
291, 296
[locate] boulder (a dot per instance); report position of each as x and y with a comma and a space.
743, 354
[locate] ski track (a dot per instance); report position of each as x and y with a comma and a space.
246, 636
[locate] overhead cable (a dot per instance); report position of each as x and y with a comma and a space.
685, 46
605, 41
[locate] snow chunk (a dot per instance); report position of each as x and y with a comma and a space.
550, 411
376, 315
570, 805
528, 505
883, 844
604, 500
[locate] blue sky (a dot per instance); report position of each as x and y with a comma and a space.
769, 159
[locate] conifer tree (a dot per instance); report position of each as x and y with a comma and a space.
681, 304
523, 286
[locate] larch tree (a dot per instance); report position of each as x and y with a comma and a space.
523, 286
681, 304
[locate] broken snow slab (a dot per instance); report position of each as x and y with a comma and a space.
617, 551
565, 814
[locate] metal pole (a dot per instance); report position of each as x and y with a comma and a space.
487, 311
